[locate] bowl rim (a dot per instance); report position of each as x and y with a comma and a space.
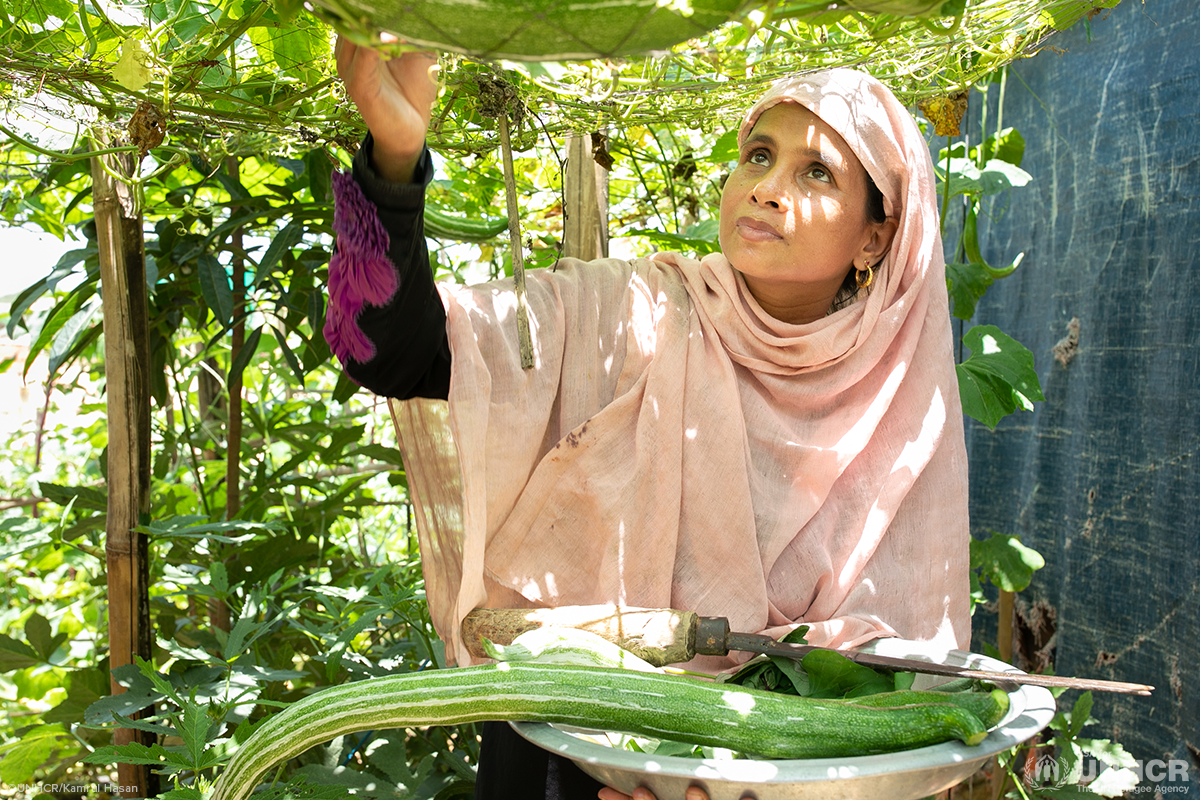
1031, 709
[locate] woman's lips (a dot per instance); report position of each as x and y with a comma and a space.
756, 230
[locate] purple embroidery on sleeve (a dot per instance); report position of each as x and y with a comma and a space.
360, 271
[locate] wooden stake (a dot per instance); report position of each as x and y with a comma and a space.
585, 225
524, 339
127, 396
1004, 626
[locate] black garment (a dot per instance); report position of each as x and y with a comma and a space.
511, 768
413, 360
412, 353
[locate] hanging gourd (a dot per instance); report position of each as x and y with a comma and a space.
534, 30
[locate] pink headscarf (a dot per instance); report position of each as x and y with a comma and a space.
675, 446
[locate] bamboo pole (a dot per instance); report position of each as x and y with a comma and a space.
585, 205
127, 396
524, 338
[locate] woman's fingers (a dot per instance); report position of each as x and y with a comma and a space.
642, 793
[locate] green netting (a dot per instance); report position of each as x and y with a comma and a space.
248, 75
539, 30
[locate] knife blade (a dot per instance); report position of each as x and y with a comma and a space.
667, 636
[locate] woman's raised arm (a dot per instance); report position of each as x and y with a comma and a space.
395, 98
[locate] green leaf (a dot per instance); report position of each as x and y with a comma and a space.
967, 178
37, 633
132, 69
320, 175
33, 752
244, 354
65, 266
59, 316
288, 355
170, 760
725, 149
833, 675
16, 655
998, 378
216, 287
194, 726
683, 243
967, 283
84, 687
1003, 560
1114, 783
345, 388
22, 534
185, 527
286, 239
1081, 714
84, 497
1109, 752
1008, 145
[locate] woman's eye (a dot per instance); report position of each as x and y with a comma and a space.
758, 157
820, 173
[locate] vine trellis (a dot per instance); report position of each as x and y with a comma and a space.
233, 76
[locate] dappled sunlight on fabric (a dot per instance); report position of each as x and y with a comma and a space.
916, 452
859, 433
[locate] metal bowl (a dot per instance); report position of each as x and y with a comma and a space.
906, 775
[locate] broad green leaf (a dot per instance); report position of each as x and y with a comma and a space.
1003, 560
725, 149
16, 655
967, 178
182, 793
685, 244
33, 752
998, 176
81, 497
967, 283
216, 287
1114, 783
832, 675
132, 69
37, 633
998, 378
84, 687
1109, 752
139, 694
1008, 145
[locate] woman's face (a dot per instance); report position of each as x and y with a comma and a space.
794, 214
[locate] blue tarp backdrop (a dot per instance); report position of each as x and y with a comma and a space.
1102, 478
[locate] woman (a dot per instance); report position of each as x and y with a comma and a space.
751, 436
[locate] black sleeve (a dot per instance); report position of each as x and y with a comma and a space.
412, 353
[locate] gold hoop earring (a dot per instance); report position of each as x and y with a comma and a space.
860, 280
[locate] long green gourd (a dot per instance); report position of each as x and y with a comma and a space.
441, 225
644, 703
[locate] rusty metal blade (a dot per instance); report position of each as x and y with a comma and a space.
757, 643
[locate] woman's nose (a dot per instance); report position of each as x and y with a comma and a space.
767, 192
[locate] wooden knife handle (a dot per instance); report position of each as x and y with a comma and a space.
658, 635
